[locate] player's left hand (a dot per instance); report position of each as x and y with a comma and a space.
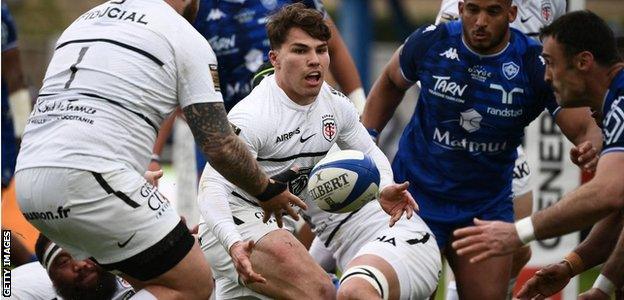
594, 294
585, 155
396, 199
241, 254
153, 176
486, 239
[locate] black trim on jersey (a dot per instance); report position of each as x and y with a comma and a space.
158, 258
239, 196
366, 273
331, 235
45, 95
109, 190
140, 115
46, 259
131, 48
237, 221
287, 158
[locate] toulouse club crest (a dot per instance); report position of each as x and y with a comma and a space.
547, 12
329, 127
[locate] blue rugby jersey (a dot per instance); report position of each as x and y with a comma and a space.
9, 146
236, 31
460, 144
613, 112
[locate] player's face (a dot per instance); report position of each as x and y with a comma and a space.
485, 24
300, 65
565, 79
80, 279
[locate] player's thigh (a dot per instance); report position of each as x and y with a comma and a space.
523, 205
413, 255
488, 279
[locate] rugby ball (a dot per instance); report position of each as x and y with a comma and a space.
344, 181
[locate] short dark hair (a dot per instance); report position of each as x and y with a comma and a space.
296, 16
40, 246
583, 30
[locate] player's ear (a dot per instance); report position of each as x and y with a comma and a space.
584, 60
273, 59
513, 13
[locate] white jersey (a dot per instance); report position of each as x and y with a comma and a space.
116, 73
532, 14
31, 282
282, 134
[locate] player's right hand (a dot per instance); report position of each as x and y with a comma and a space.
241, 253
281, 202
546, 282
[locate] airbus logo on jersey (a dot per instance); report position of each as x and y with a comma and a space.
470, 120
479, 73
447, 89
510, 70
445, 140
287, 136
450, 53
223, 43
215, 14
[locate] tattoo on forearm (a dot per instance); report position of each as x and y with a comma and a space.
224, 150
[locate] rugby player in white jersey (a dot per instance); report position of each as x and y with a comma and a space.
116, 73
290, 121
532, 16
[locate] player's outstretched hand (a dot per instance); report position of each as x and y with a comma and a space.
396, 199
241, 253
152, 176
585, 155
546, 282
594, 294
283, 201
486, 239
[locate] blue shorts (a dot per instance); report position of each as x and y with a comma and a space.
444, 216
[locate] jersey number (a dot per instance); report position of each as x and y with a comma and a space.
73, 67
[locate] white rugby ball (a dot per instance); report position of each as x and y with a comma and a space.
344, 181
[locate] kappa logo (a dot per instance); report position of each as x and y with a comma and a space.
450, 53
329, 127
470, 120
215, 14
510, 70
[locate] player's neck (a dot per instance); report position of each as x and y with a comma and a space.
496, 50
292, 94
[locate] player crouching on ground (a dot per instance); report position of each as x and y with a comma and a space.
289, 122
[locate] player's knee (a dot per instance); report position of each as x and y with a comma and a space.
363, 282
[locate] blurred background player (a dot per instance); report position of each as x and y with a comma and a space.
482, 84
16, 106
236, 31
531, 17
58, 275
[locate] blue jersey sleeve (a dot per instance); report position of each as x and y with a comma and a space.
613, 124
415, 48
9, 33
543, 91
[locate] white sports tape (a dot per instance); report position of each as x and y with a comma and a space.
524, 227
358, 98
50, 254
604, 284
371, 274
20, 104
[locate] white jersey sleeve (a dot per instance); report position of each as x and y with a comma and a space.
31, 281
356, 137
